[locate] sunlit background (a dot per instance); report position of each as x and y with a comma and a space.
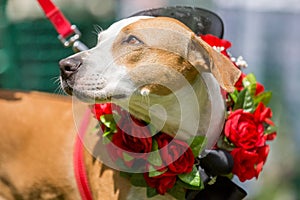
265, 32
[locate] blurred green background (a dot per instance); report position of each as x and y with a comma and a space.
265, 32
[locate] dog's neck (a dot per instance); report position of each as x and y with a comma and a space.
187, 110
185, 113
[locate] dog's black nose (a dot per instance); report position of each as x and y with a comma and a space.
69, 66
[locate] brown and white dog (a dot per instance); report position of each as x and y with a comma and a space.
144, 61
138, 63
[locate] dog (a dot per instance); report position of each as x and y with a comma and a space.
143, 61
155, 67
158, 70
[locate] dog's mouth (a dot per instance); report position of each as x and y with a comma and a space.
66, 86
96, 96
90, 93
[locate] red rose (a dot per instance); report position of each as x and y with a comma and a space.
162, 183
101, 109
270, 136
217, 42
243, 130
244, 164
136, 141
264, 114
239, 84
262, 157
177, 155
249, 164
259, 89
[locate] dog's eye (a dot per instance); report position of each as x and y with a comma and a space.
132, 40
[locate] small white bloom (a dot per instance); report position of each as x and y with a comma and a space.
219, 49
241, 62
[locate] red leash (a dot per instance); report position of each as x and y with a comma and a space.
61, 24
69, 35
78, 160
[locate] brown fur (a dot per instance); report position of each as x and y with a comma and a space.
220, 66
154, 63
36, 151
155, 56
175, 41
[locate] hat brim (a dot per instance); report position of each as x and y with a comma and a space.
199, 20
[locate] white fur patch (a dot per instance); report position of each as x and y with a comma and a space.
101, 75
115, 28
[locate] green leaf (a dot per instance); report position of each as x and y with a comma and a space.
244, 101
250, 79
108, 121
178, 192
126, 175
127, 157
270, 129
151, 192
193, 178
234, 96
240, 100
154, 145
223, 143
197, 144
154, 158
230, 175
138, 180
252, 89
107, 132
264, 97
248, 104
188, 186
153, 172
212, 180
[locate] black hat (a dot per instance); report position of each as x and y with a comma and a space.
199, 20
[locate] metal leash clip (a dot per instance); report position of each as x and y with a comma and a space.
73, 40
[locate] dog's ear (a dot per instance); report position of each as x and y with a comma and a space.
205, 58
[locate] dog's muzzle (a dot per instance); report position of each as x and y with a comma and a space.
69, 66
68, 69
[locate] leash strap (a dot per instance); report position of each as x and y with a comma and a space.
78, 159
61, 24
68, 34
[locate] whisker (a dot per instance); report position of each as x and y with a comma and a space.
54, 78
58, 90
56, 81
98, 29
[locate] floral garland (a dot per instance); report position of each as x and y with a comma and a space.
248, 127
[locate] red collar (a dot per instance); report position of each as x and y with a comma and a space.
78, 160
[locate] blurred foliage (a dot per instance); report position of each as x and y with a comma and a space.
30, 50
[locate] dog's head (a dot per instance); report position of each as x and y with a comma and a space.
143, 55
